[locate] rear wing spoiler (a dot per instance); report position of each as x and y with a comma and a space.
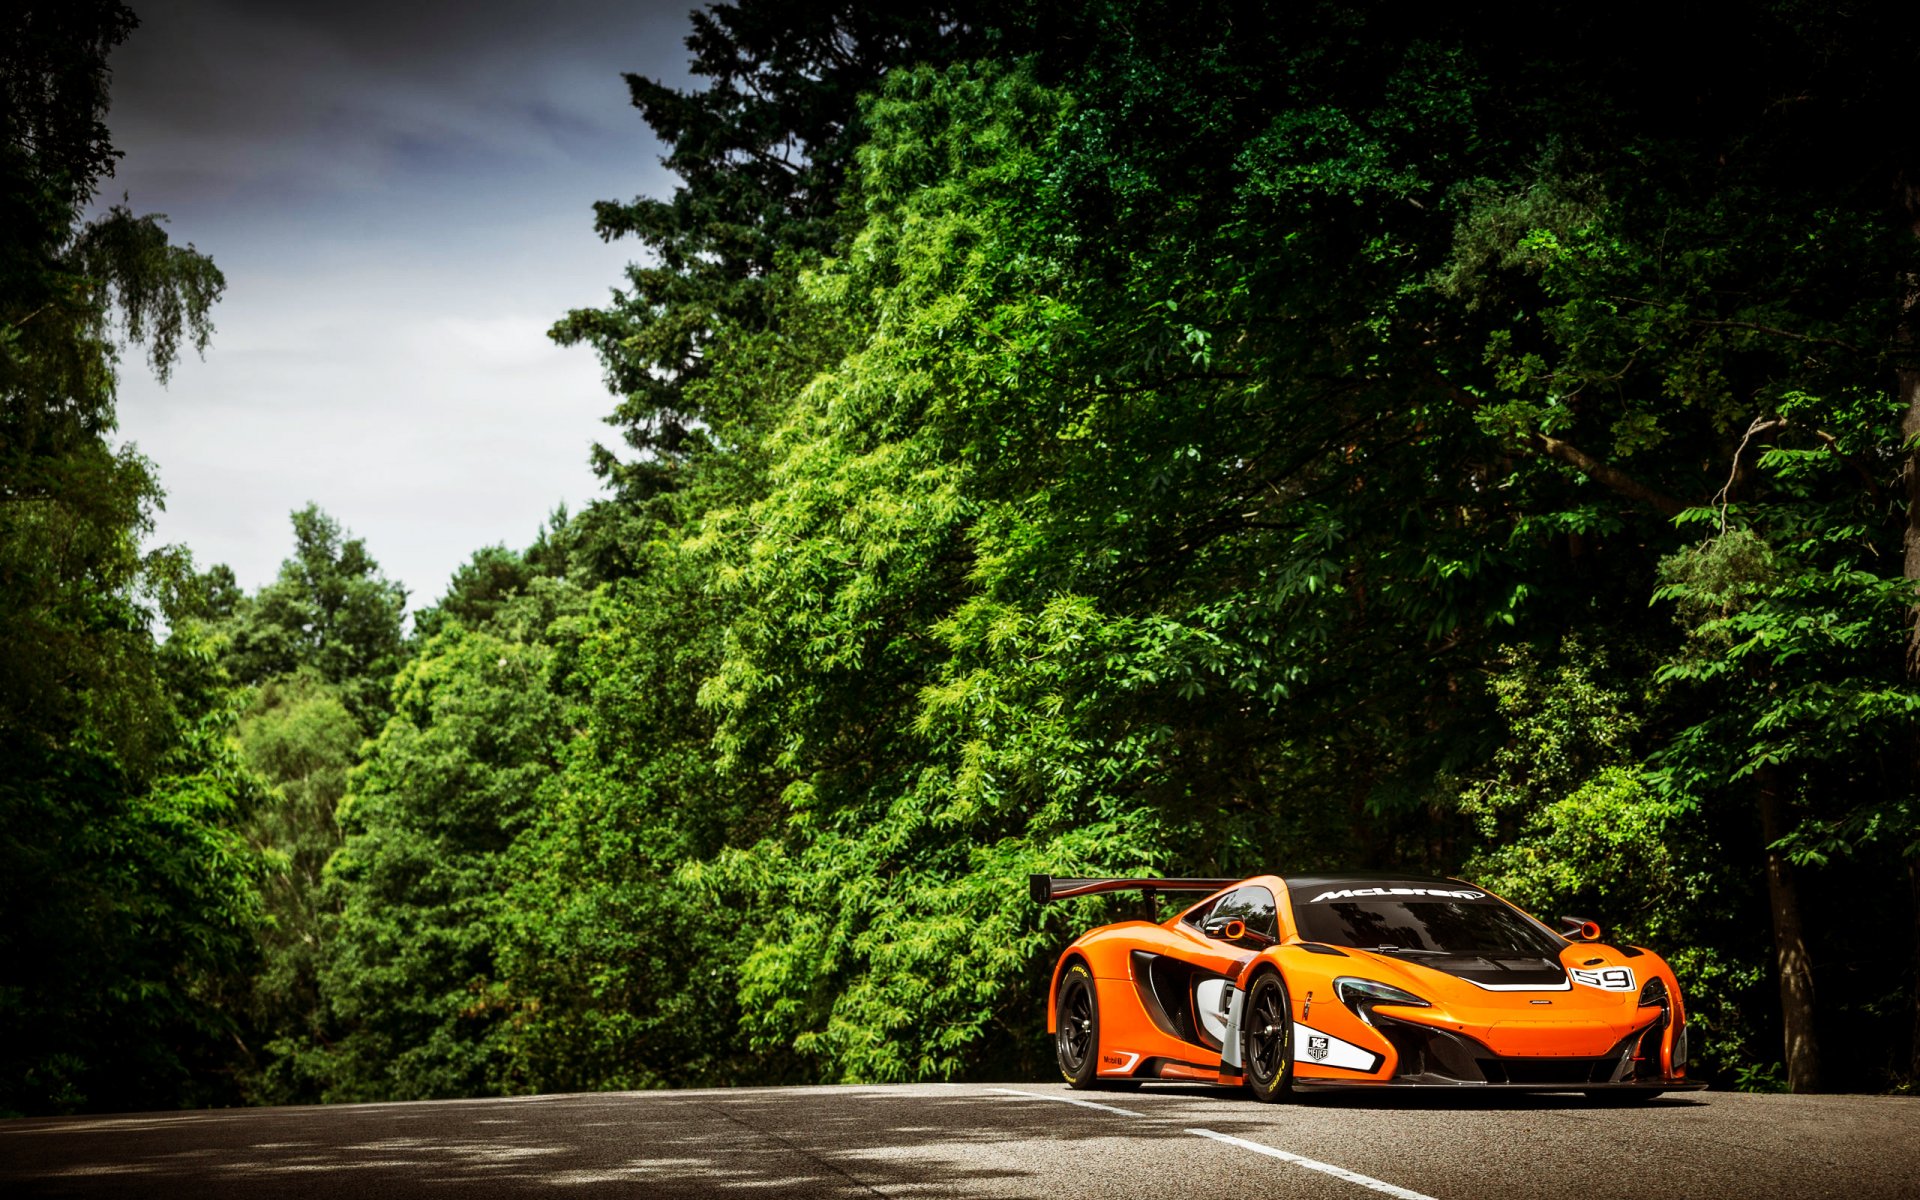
1048, 888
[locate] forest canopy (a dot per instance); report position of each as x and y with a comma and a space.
1093, 438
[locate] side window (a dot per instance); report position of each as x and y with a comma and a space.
1200, 913
1254, 905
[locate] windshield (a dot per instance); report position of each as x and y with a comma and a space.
1486, 927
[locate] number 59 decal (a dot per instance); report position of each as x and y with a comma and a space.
1607, 979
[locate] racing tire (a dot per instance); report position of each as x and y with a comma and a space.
1266, 1039
1076, 1038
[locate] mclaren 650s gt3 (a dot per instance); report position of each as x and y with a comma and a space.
1284, 983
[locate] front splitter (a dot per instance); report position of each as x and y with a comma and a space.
1466, 1085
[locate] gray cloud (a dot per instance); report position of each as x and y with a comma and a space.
400, 197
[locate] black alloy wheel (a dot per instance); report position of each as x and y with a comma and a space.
1076, 1038
1266, 1040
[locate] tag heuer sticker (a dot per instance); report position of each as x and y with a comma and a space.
1607, 979
1322, 1049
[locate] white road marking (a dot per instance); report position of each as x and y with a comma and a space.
1066, 1100
1298, 1160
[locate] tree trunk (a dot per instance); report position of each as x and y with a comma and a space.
1906, 373
1789, 944
1906, 379
1913, 874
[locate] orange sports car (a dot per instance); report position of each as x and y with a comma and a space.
1342, 981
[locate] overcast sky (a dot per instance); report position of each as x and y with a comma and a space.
400, 197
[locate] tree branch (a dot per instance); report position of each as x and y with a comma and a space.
1755, 326
1607, 476
1759, 426
1859, 468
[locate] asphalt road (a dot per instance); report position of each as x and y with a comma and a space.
975, 1140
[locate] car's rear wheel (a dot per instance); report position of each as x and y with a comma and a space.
1076, 1038
1266, 1039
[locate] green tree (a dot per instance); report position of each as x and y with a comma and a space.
299, 741
1570, 821
127, 899
409, 964
480, 588
1213, 421
330, 611
1708, 314
624, 974
624, 958
315, 651
762, 153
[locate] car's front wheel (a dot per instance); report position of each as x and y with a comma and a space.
1266, 1039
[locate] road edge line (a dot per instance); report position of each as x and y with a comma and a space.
1301, 1160
1125, 1112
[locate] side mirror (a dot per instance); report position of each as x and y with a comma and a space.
1228, 929
1581, 930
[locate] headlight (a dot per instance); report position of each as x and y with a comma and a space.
1361, 995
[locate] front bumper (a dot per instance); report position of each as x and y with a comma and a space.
1431, 1057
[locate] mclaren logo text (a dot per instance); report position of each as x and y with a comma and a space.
1358, 893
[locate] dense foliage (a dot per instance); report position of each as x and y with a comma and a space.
1306, 435
1104, 438
126, 897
